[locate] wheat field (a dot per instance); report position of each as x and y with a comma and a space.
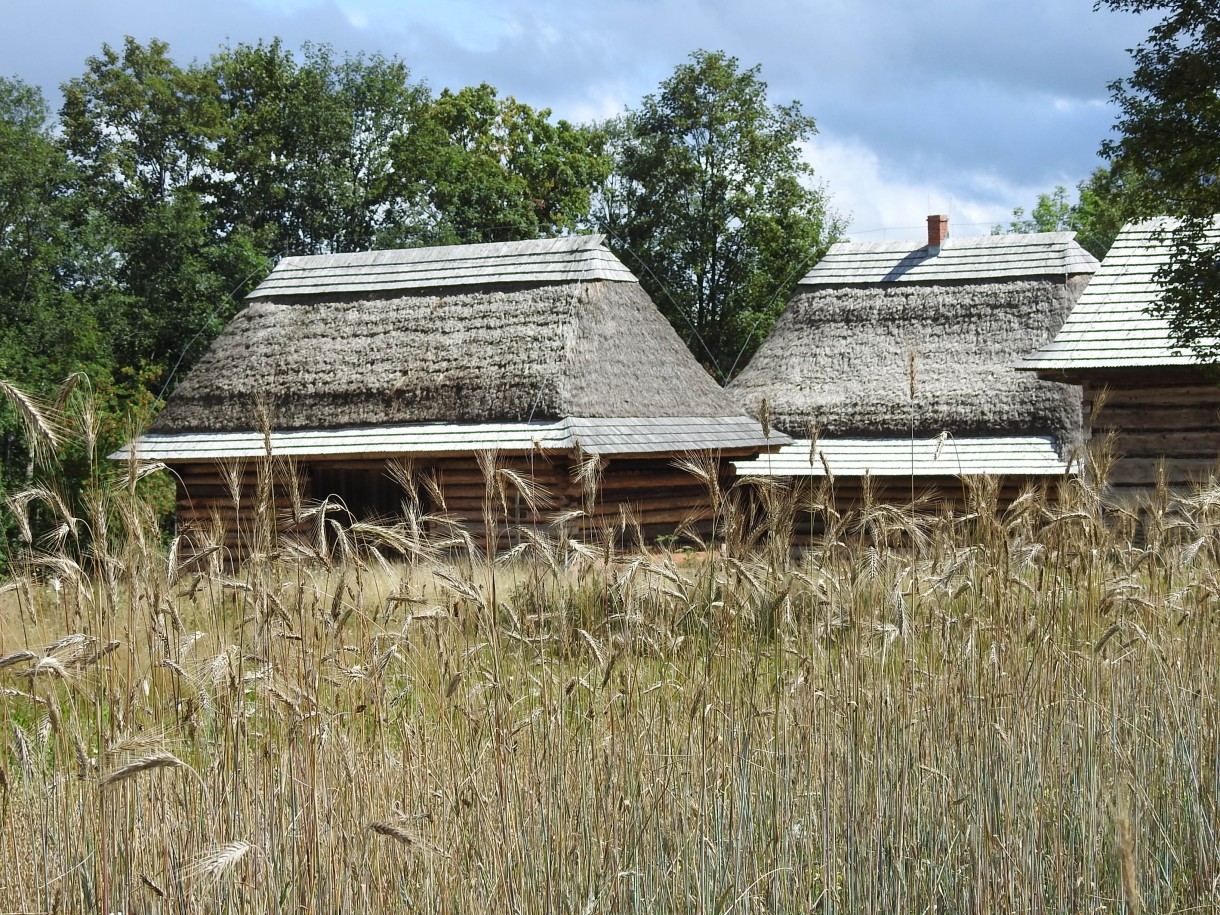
982, 711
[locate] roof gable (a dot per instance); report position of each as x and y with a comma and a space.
548, 260
988, 257
1111, 326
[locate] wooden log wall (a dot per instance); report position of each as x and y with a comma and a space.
246, 506
1150, 425
240, 505
933, 496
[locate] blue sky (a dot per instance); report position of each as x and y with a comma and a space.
966, 107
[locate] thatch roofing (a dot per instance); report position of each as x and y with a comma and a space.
464, 338
841, 356
1111, 327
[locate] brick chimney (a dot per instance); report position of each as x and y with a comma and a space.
938, 231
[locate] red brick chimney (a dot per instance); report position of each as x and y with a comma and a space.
938, 230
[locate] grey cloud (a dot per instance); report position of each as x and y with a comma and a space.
957, 88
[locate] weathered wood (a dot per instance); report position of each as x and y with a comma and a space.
1150, 425
1119, 418
1195, 444
1132, 471
651, 492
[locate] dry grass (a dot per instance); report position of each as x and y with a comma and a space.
981, 713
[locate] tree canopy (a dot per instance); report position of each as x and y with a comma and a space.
1104, 203
1168, 153
713, 205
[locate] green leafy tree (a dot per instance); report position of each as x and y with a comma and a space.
1052, 213
142, 133
48, 331
304, 160
713, 204
1169, 139
1105, 202
481, 168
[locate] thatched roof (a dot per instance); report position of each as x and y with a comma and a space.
840, 358
1111, 327
477, 335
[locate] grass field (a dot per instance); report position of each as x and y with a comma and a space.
918, 713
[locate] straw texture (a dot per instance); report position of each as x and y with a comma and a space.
845, 360
506, 353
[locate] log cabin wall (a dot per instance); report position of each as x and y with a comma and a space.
1148, 423
237, 505
933, 496
245, 505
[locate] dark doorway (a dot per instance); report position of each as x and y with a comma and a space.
368, 493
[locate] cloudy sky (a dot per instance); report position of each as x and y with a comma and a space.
965, 107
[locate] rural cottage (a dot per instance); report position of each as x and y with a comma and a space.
899, 362
544, 352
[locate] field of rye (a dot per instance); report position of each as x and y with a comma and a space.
984, 712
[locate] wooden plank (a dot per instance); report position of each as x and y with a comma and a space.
1173, 443
1202, 418
1186, 394
1143, 471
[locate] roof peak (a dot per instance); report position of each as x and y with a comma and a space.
979, 258
564, 243
570, 258
1005, 239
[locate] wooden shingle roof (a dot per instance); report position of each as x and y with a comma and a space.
621, 435
939, 456
1111, 326
987, 257
548, 260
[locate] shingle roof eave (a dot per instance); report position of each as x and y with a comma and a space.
1111, 325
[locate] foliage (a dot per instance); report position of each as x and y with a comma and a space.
479, 169
1106, 202
304, 162
48, 330
140, 130
1169, 126
713, 205
1052, 213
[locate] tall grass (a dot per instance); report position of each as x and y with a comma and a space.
980, 712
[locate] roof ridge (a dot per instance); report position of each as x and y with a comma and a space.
473, 249
542, 260
978, 258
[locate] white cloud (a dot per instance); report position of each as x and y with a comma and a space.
884, 204
357, 19
599, 102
